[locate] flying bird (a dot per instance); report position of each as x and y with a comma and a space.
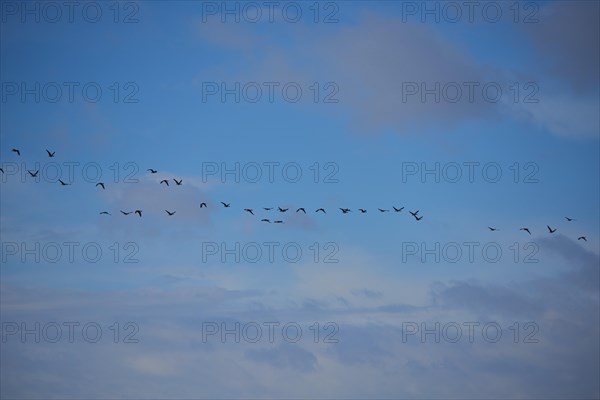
418, 218
105, 212
139, 212
202, 205
345, 210
550, 229
100, 184
398, 209
526, 230
267, 208
226, 205
282, 209
62, 183
569, 219
1, 170
492, 229
382, 210
50, 153
278, 222
169, 212
265, 220
165, 181
362, 210
152, 171
125, 213
414, 214
249, 210
582, 238
301, 209
178, 182
33, 174
322, 210
16, 151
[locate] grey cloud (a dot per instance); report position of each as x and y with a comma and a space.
373, 60
371, 294
568, 36
287, 355
585, 273
490, 299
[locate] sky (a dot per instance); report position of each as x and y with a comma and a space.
480, 118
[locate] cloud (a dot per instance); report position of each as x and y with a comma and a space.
568, 36
153, 365
285, 356
564, 114
373, 294
584, 271
489, 299
374, 62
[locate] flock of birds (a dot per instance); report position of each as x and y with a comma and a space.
179, 182
550, 230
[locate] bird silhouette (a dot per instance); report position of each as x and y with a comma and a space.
265, 220
398, 209
301, 209
178, 182
202, 205
63, 183
418, 218
105, 212
169, 212
267, 208
550, 229
582, 238
125, 213
382, 210
345, 210
249, 210
226, 205
282, 209
526, 230
139, 212
16, 151
33, 174
1, 170
165, 181
362, 210
100, 184
492, 229
278, 222
414, 214
152, 171
322, 210
50, 153
569, 219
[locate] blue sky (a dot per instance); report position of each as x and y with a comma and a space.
365, 132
